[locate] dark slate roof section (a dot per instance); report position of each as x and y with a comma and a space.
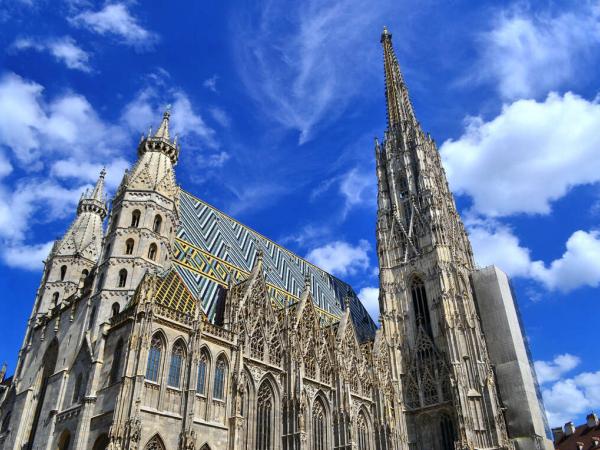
213, 248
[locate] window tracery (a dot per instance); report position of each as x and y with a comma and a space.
154, 358
220, 378
257, 345
202, 371
264, 418
319, 426
177, 358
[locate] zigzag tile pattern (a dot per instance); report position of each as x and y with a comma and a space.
212, 248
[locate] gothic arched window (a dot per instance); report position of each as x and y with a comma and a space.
177, 357
135, 218
362, 432
64, 441
220, 378
157, 223
202, 372
115, 308
129, 246
420, 305
115, 369
122, 277
63, 272
154, 358
319, 426
155, 443
264, 418
152, 251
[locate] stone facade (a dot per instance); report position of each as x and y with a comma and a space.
179, 328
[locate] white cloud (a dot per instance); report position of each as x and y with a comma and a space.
63, 49
211, 83
115, 19
214, 160
148, 106
530, 155
369, 296
567, 398
221, 117
358, 188
305, 75
578, 266
553, 370
528, 55
496, 244
341, 258
28, 257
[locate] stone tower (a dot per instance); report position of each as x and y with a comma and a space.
428, 311
73, 257
142, 223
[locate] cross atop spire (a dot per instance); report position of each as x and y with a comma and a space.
399, 108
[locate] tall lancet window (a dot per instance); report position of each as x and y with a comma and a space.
362, 431
154, 358
202, 374
421, 306
152, 251
319, 426
264, 418
220, 378
122, 277
177, 358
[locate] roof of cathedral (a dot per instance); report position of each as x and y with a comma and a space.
212, 249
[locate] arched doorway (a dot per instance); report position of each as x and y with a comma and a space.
101, 443
64, 441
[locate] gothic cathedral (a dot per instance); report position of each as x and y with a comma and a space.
177, 327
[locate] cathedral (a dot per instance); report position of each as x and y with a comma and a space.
174, 326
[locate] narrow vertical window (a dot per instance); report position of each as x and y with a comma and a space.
220, 373
77, 389
177, 356
201, 382
157, 223
363, 433
319, 429
55, 299
154, 357
264, 417
63, 272
135, 218
115, 309
129, 246
92, 318
152, 251
122, 277
115, 369
420, 306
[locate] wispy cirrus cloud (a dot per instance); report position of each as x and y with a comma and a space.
63, 49
115, 20
528, 54
304, 71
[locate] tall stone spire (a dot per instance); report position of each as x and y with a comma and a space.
399, 108
84, 237
427, 304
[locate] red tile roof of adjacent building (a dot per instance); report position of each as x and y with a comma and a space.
584, 438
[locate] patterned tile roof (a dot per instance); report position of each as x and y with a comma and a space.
212, 248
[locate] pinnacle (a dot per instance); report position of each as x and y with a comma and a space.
163, 129
98, 192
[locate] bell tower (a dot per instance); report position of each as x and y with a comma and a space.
428, 311
142, 225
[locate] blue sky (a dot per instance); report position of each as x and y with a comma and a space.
276, 105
